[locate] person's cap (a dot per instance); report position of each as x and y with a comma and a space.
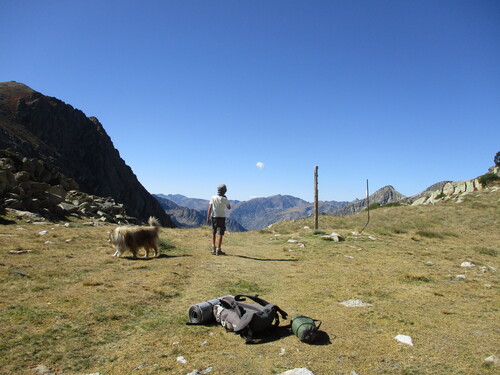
221, 189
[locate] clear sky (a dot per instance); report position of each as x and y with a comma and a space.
254, 94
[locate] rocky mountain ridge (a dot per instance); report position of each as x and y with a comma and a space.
47, 129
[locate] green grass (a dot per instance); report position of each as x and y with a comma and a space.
486, 251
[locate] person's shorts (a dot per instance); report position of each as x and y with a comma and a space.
218, 225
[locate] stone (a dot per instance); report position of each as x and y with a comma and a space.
58, 190
298, 371
419, 201
492, 360
448, 189
404, 339
22, 176
355, 303
333, 237
43, 370
467, 265
68, 207
7, 180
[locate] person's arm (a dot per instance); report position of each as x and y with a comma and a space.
209, 212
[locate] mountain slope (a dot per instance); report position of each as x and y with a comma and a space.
185, 217
259, 213
382, 196
48, 129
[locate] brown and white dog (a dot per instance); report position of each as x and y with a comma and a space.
134, 237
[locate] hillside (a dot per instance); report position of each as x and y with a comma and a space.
382, 196
47, 129
425, 271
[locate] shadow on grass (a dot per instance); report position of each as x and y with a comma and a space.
322, 339
274, 334
281, 332
161, 256
4, 221
263, 259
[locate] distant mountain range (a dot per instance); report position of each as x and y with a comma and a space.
187, 217
259, 213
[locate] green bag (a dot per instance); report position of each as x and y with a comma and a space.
305, 328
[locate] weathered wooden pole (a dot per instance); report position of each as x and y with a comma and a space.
367, 207
316, 198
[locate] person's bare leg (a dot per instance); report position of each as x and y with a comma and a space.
219, 250
213, 244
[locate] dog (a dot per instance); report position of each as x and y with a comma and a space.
132, 238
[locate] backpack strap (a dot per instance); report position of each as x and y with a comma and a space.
260, 301
230, 303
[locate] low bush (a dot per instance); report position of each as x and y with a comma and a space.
488, 178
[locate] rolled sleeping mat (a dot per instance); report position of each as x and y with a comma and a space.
203, 312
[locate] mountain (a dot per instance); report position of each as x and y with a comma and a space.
307, 210
185, 217
259, 213
254, 214
382, 196
46, 128
193, 203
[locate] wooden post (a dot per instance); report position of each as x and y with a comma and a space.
316, 198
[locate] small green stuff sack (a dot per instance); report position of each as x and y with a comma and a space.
305, 328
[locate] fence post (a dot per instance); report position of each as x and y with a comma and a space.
316, 198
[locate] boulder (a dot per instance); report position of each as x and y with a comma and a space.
448, 189
68, 208
7, 180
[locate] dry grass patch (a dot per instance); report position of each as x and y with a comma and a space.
73, 307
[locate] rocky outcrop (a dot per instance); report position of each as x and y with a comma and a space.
382, 196
455, 190
45, 128
30, 185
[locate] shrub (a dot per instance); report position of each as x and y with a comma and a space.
488, 179
374, 206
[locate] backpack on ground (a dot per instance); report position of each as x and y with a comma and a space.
247, 319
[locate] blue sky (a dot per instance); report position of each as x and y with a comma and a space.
196, 93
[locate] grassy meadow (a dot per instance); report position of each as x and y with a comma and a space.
66, 303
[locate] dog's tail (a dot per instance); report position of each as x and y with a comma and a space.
153, 222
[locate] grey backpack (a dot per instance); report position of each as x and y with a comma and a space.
247, 319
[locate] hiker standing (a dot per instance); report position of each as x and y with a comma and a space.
217, 211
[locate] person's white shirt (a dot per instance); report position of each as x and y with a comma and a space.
219, 204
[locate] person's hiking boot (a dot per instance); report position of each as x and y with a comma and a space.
219, 252
212, 251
